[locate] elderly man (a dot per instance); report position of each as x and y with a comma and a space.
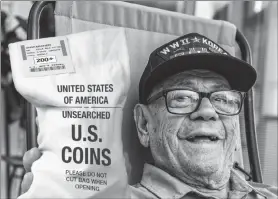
191, 93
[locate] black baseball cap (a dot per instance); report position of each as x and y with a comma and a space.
194, 51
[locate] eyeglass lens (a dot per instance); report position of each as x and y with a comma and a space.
186, 101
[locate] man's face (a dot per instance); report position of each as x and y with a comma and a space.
200, 161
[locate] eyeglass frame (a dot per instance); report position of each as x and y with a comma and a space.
202, 95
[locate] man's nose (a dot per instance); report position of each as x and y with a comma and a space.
205, 111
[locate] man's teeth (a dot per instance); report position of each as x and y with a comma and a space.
200, 138
213, 138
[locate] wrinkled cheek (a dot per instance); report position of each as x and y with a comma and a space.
169, 135
231, 125
169, 125
168, 141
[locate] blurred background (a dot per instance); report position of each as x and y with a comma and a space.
257, 20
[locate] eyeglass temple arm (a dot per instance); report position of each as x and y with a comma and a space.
249, 117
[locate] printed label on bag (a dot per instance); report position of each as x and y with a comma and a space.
47, 56
87, 143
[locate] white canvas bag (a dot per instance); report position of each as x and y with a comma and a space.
78, 84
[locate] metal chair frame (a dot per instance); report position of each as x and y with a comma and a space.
13, 162
33, 33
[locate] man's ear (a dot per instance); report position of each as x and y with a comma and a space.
142, 121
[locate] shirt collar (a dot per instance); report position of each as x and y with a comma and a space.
164, 185
239, 184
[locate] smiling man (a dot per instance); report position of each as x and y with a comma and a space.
191, 93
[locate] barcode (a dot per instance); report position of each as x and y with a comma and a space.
47, 68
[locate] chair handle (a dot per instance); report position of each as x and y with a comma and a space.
249, 115
33, 29
33, 32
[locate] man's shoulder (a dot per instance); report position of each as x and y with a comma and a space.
268, 190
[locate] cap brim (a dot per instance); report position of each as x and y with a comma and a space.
239, 74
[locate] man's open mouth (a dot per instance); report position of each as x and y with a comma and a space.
202, 138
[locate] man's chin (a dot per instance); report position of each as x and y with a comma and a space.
210, 175
204, 164
204, 169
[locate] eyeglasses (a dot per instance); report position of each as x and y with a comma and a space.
181, 101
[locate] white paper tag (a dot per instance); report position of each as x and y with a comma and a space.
48, 56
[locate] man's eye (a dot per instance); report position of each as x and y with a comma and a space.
182, 98
220, 100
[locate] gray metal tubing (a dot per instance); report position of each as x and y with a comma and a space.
249, 117
33, 32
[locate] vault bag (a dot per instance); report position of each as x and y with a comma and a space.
78, 84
